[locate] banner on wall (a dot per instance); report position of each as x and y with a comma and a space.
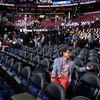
62, 2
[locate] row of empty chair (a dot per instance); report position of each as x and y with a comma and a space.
8, 73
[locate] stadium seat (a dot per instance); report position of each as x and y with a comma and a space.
80, 98
6, 68
87, 84
20, 82
53, 91
16, 68
23, 96
78, 62
35, 87
34, 62
93, 58
37, 83
43, 65
82, 57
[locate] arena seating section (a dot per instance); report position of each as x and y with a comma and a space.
25, 73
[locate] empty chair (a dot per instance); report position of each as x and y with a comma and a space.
35, 87
78, 62
28, 57
78, 49
93, 58
56, 51
16, 68
24, 48
13, 72
37, 83
16, 52
4, 60
85, 50
5, 68
80, 98
93, 51
55, 56
22, 54
8, 66
53, 91
35, 60
43, 65
20, 82
82, 57
23, 96
84, 53
1, 57
36, 51
87, 84
41, 53
48, 55
94, 54
10, 51
30, 50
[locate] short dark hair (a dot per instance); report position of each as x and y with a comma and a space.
64, 50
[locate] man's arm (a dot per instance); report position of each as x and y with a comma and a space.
80, 69
54, 71
84, 69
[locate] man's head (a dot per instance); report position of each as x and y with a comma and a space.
66, 52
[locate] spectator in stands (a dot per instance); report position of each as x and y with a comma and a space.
42, 39
90, 40
63, 68
6, 37
74, 39
14, 36
37, 40
5, 41
4, 45
0, 43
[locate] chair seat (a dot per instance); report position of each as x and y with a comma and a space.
23, 96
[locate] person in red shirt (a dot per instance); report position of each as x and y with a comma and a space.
4, 45
14, 36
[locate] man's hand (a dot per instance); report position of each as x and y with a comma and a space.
90, 67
